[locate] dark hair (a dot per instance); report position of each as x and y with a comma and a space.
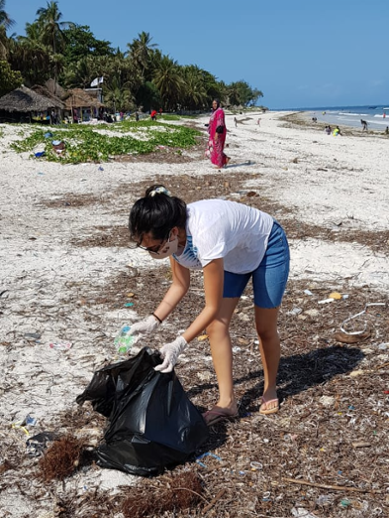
217, 102
157, 212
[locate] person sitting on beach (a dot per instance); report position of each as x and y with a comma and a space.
231, 242
364, 125
336, 132
328, 130
387, 130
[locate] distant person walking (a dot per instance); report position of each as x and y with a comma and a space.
217, 136
364, 125
235, 122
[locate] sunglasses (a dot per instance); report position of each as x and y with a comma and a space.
156, 248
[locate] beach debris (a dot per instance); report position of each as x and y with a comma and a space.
48, 134
356, 373
324, 499
201, 338
60, 346
295, 160
39, 154
346, 338
295, 311
361, 444
30, 421
312, 312
38, 443
58, 145
335, 295
353, 317
308, 292
128, 304
300, 512
123, 342
327, 400
325, 301
383, 346
32, 336
207, 454
254, 465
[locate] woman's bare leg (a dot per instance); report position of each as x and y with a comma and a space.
269, 346
221, 349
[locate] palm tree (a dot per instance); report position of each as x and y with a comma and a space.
51, 29
195, 94
5, 23
141, 51
169, 81
31, 56
3, 44
5, 20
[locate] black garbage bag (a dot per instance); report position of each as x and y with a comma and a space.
152, 423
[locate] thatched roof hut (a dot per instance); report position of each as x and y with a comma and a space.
24, 100
78, 98
42, 90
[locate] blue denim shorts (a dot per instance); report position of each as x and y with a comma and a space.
270, 278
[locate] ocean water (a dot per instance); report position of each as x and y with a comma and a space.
377, 117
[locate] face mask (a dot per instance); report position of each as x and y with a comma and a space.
168, 249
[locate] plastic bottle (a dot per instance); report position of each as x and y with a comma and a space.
123, 342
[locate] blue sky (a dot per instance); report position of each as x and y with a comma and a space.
299, 53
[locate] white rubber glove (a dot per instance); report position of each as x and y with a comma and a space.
144, 327
170, 353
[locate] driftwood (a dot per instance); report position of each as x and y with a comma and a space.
330, 486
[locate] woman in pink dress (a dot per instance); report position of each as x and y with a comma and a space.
217, 136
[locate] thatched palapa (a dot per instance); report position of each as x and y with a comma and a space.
78, 98
45, 92
24, 100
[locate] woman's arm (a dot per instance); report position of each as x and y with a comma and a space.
176, 292
213, 287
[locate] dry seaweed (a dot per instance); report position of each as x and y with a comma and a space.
61, 459
179, 493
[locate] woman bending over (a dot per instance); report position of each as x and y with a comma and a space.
231, 243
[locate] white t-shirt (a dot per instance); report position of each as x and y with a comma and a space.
225, 229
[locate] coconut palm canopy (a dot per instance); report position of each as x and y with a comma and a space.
24, 100
78, 98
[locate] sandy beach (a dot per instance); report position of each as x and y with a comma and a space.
67, 272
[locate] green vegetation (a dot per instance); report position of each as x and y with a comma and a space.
9, 79
140, 77
87, 144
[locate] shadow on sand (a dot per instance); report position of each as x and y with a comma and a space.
296, 374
